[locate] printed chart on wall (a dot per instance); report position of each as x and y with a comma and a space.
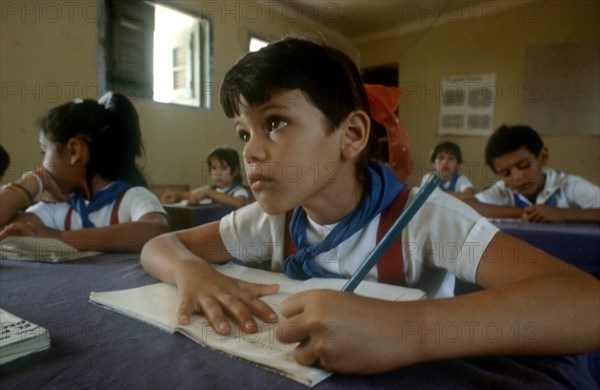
563, 81
467, 104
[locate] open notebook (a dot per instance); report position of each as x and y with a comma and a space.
40, 249
155, 304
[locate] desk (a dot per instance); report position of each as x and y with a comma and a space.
93, 347
183, 217
575, 243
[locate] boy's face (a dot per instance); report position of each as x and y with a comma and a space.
289, 158
445, 164
521, 170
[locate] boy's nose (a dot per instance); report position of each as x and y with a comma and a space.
254, 150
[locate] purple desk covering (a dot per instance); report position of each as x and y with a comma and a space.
93, 347
575, 243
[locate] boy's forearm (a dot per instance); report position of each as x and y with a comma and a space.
534, 316
494, 211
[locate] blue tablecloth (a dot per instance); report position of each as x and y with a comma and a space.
96, 348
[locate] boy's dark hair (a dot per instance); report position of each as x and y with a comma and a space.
448, 147
507, 139
231, 158
328, 78
4, 161
111, 129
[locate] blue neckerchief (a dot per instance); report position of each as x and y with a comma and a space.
384, 187
232, 188
520, 200
99, 200
228, 190
452, 186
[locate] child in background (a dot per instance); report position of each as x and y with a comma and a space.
102, 202
4, 161
446, 159
224, 164
280, 98
527, 189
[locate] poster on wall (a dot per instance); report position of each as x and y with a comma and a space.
563, 84
467, 104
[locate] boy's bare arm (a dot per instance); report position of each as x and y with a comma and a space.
533, 304
543, 213
493, 211
184, 259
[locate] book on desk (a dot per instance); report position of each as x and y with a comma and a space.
155, 304
19, 338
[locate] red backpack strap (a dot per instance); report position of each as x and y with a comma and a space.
390, 268
289, 248
68, 219
114, 214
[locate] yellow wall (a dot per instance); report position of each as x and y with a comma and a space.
48, 54
496, 44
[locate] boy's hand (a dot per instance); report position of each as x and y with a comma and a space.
543, 213
30, 229
343, 332
205, 290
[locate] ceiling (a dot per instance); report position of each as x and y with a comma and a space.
360, 19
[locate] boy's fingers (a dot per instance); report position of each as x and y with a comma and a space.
239, 312
214, 313
305, 354
293, 305
185, 310
292, 330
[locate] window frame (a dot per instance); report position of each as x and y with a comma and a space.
141, 85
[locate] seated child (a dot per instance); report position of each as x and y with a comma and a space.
446, 159
102, 202
224, 164
302, 112
527, 189
4, 161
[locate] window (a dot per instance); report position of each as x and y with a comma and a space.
148, 50
257, 43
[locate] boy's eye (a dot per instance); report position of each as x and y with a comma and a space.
277, 123
524, 164
244, 135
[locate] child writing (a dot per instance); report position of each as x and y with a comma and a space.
529, 190
224, 165
446, 159
281, 100
89, 166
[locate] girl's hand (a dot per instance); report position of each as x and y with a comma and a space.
30, 229
50, 185
200, 194
203, 289
344, 332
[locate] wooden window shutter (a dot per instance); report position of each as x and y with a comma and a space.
130, 40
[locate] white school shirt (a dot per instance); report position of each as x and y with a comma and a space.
445, 238
462, 183
137, 202
574, 192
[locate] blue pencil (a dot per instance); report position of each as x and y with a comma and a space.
409, 211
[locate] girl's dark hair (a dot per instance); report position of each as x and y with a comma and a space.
328, 78
448, 147
231, 158
111, 129
4, 161
507, 139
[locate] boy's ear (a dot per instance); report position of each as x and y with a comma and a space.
544, 156
355, 136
